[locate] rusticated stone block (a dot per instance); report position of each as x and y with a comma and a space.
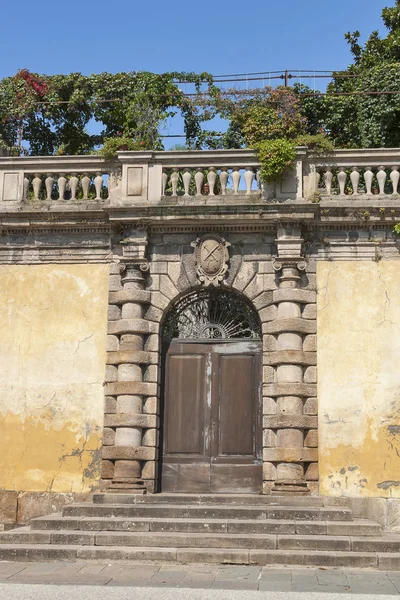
312, 472
136, 357
152, 343
295, 325
245, 274
129, 420
167, 287
294, 295
151, 374
268, 374
311, 406
265, 266
269, 406
8, 507
114, 312
290, 389
129, 453
263, 300
290, 357
290, 454
149, 470
108, 436
150, 437
114, 268
123, 296
260, 283
269, 471
310, 311
153, 314
127, 388
269, 438
310, 343
158, 268
131, 326
159, 300
110, 405
111, 374
269, 343
290, 421
310, 375
268, 313
311, 439
112, 343
114, 283
150, 406
107, 469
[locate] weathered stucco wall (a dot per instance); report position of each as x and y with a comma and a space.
53, 321
359, 378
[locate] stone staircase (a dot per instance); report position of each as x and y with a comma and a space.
201, 528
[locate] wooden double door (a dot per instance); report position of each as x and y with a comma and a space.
212, 429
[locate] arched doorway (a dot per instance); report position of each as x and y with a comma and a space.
212, 421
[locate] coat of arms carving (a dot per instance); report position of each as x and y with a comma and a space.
212, 258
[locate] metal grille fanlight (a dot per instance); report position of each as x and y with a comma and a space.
212, 314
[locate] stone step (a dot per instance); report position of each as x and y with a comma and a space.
357, 527
209, 512
165, 539
188, 499
46, 552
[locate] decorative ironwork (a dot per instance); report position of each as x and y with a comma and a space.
212, 314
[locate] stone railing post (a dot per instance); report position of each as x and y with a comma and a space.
289, 391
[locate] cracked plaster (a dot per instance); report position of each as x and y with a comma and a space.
358, 378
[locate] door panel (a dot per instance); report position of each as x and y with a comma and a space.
236, 408
212, 418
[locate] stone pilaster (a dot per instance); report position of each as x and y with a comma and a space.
124, 451
288, 458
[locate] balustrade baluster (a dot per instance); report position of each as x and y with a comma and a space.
236, 180
174, 181
187, 178
98, 184
211, 180
62, 182
355, 180
248, 178
164, 182
223, 179
394, 177
328, 176
381, 177
317, 180
25, 189
73, 184
342, 178
368, 177
49, 183
85, 182
37, 185
199, 178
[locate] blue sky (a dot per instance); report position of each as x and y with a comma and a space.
55, 36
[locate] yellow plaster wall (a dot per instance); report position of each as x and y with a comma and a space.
53, 321
359, 378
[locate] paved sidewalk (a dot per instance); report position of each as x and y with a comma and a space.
212, 577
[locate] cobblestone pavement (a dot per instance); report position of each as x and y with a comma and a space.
217, 577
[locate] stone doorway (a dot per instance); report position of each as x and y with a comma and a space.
211, 418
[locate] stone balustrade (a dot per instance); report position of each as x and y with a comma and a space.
364, 172
195, 176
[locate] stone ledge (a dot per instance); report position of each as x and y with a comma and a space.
296, 325
132, 326
130, 420
290, 422
129, 453
290, 454
304, 390
124, 296
137, 357
294, 295
290, 357
126, 388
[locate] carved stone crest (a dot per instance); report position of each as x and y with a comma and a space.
212, 257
